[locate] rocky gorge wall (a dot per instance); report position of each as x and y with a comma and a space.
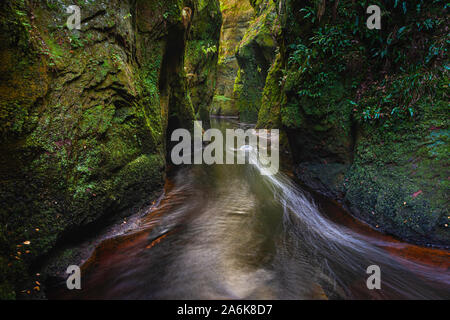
237, 16
247, 50
85, 115
366, 111
255, 55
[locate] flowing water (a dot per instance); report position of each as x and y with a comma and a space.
229, 232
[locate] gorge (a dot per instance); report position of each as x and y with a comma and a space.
86, 118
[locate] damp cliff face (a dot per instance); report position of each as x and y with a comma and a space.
85, 115
202, 54
255, 55
366, 111
237, 15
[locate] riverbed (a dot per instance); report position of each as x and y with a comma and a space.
229, 232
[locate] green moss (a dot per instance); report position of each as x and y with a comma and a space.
255, 55
202, 56
373, 104
382, 201
83, 120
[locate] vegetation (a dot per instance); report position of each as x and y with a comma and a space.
255, 54
85, 115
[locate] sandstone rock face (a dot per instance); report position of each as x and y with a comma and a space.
202, 54
237, 16
85, 114
255, 56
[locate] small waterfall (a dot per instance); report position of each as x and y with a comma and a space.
244, 232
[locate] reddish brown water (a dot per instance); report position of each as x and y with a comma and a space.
226, 232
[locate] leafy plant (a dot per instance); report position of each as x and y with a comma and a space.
208, 49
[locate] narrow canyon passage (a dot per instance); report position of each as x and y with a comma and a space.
228, 232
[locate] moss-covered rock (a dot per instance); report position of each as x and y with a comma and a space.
84, 117
366, 111
202, 54
255, 55
237, 15
273, 97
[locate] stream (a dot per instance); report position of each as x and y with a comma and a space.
229, 232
